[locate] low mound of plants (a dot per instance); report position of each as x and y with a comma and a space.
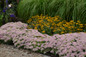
66, 45
54, 25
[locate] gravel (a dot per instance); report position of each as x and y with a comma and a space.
10, 51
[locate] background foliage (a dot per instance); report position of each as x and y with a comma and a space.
1, 16
67, 9
7, 11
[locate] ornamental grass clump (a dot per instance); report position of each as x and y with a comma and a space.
67, 9
53, 25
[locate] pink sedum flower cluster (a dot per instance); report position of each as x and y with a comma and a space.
72, 45
66, 45
8, 30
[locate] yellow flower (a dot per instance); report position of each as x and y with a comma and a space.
29, 20
69, 27
64, 24
70, 32
43, 31
58, 29
62, 32
63, 28
78, 21
51, 27
71, 21
72, 26
54, 30
35, 28
81, 25
78, 29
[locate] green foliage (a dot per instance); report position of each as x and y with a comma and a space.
67, 9
1, 19
7, 9
5, 16
10, 42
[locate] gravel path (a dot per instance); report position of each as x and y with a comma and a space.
10, 51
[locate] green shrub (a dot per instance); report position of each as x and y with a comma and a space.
53, 25
1, 19
67, 9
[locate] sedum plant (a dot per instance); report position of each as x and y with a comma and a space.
66, 45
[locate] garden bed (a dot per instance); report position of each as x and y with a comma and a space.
58, 30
